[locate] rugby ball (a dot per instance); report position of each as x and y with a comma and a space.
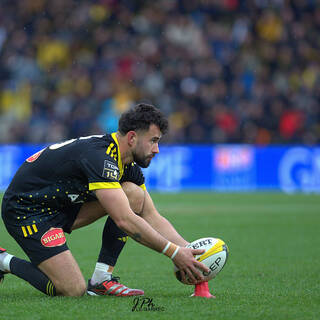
214, 257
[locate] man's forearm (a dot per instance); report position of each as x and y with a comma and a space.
116, 203
160, 223
166, 229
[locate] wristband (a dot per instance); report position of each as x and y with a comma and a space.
175, 253
166, 247
170, 250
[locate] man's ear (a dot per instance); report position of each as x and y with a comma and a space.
132, 138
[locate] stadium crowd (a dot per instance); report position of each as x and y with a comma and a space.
224, 71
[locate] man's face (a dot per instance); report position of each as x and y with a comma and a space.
147, 146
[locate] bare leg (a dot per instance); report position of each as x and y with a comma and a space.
65, 274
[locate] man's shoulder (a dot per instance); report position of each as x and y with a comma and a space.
100, 149
94, 143
105, 141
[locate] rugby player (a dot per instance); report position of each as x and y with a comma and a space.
71, 184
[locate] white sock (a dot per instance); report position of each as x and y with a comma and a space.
5, 259
101, 273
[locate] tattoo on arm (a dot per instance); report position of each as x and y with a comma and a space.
137, 237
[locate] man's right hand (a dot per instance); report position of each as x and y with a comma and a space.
189, 266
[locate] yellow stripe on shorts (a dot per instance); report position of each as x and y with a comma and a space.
29, 230
24, 231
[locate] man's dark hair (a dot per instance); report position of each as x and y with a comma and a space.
141, 117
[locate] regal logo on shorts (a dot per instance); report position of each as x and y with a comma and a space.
53, 237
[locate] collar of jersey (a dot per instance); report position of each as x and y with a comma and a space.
114, 137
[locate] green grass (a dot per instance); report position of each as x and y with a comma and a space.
272, 272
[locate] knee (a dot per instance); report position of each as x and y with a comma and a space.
76, 290
135, 195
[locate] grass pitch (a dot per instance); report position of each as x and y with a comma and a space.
272, 271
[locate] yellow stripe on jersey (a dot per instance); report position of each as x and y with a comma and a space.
104, 185
120, 165
114, 154
109, 148
143, 187
34, 228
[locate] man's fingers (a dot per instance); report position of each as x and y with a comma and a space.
194, 276
195, 252
202, 267
191, 277
183, 276
199, 274
198, 265
190, 271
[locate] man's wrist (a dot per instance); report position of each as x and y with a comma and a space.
170, 250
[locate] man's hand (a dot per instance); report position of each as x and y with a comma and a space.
189, 266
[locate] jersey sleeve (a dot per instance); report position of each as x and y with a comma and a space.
101, 170
133, 173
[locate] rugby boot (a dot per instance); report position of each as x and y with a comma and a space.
112, 288
2, 273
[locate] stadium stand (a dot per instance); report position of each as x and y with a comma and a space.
227, 71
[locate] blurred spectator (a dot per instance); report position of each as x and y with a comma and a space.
223, 71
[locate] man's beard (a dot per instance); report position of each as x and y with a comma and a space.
142, 162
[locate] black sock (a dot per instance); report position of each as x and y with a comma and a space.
113, 241
28, 272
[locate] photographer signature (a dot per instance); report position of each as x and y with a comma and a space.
145, 304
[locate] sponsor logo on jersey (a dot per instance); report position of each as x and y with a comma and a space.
110, 170
54, 237
35, 156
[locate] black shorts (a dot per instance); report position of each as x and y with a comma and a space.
43, 240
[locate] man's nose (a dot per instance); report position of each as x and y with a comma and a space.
155, 148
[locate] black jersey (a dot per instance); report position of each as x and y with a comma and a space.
64, 175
